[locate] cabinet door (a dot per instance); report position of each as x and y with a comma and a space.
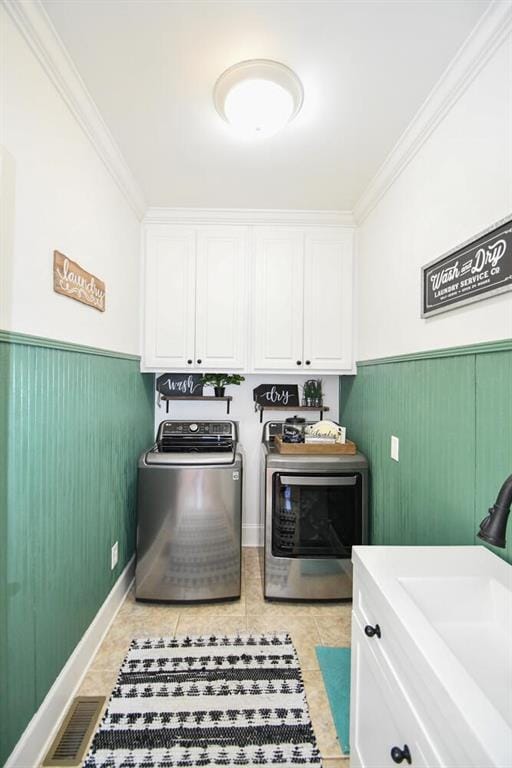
328, 300
221, 298
278, 298
169, 298
380, 717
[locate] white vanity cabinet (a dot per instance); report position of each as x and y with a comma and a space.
386, 730
302, 302
195, 298
413, 700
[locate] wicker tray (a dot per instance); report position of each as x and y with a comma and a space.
315, 448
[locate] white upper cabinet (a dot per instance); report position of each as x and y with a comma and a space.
206, 308
169, 297
221, 298
278, 271
302, 299
195, 300
328, 300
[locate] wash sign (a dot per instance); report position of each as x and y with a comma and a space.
479, 268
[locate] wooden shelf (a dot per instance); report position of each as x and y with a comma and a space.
261, 408
226, 398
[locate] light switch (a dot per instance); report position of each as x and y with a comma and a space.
114, 555
395, 448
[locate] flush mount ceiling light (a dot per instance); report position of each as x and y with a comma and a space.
258, 97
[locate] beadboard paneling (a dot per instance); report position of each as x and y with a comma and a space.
77, 422
493, 433
4, 367
453, 416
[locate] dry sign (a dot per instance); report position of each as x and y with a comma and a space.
71, 280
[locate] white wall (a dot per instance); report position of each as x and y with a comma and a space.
250, 431
459, 183
58, 195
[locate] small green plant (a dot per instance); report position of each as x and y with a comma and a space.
221, 379
313, 392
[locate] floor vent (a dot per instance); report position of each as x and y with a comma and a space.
72, 740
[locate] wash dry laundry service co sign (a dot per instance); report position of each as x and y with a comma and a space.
71, 280
480, 268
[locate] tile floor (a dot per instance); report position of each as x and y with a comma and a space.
308, 624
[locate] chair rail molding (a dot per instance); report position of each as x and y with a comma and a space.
248, 216
484, 40
36, 27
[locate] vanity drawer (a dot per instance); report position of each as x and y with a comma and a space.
385, 730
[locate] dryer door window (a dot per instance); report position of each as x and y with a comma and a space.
316, 515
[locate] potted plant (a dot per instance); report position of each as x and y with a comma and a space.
313, 395
219, 381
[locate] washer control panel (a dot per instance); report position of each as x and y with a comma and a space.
220, 428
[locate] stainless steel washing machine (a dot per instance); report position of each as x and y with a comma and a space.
189, 509
314, 508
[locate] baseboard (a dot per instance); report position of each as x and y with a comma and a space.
37, 736
252, 536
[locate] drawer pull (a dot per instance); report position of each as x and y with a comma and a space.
371, 631
399, 755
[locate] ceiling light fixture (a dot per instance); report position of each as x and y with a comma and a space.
258, 97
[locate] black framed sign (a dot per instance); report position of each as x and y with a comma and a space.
276, 394
180, 384
475, 270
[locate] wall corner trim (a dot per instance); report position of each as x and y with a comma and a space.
38, 735
248, 216
35, 25
486, 347
252, 535
486, 37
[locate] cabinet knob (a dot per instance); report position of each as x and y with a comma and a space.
371, 631
308, 362
199, 361
189, 362
399, 755
299, 362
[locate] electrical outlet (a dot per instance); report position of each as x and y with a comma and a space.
114, 555
395, 448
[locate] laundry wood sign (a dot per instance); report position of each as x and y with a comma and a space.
71, 280
479, 268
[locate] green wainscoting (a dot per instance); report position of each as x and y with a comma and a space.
3, 548
73, 422
453, 415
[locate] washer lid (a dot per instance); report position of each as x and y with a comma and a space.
193, 458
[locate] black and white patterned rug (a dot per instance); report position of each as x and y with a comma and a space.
207, 701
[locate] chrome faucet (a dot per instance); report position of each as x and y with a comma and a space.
492, 528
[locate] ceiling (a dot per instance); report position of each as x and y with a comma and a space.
366, 67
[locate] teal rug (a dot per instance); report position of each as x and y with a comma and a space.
335, 667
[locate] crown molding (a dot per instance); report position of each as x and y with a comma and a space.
34, 23
248, 216
487, 36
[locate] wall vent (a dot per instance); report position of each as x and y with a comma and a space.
75, 733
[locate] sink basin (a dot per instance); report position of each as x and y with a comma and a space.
473, 616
